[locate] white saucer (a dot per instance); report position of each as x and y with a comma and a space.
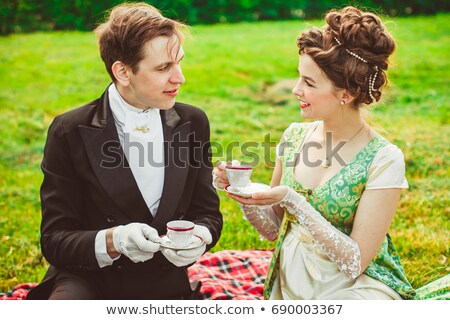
193, 243
246, 192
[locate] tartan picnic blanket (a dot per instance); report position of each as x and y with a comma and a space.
225, 275
19, 292
232, 274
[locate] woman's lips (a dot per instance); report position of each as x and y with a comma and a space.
304, 105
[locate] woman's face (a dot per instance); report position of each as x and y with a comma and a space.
317, 95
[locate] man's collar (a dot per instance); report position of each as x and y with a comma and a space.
103, 113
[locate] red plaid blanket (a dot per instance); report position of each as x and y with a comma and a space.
19, 292
232, 274
225, 275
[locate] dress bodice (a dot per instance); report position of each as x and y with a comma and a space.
338, 198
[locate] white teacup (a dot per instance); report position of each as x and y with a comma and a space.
180, 232
238, 174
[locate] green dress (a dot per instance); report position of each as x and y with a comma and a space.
337, 200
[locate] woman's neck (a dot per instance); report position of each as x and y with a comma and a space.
343, 127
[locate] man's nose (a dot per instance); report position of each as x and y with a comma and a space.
177, 76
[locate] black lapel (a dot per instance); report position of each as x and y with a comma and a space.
107, 159
176, 142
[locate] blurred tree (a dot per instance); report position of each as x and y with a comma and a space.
8, 12
29, 15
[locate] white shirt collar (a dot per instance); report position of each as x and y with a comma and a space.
120, 107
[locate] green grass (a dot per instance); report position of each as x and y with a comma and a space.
229, 71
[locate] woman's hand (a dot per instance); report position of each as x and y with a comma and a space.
267, 198
220, 180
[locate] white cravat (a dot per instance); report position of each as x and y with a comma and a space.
142, 140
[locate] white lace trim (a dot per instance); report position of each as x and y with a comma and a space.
263, 220
340, 248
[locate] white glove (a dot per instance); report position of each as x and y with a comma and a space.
263, 219
339, 247
203, 233
137, 241
184, 257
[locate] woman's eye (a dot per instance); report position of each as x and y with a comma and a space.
306, 81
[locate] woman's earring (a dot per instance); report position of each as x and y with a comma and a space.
342, 102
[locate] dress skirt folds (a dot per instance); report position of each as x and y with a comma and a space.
307, 273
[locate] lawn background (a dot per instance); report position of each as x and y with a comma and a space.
236, 73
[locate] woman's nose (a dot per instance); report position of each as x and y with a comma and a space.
297, 90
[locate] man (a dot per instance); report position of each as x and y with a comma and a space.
117, 169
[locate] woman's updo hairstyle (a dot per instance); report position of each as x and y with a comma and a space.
352, 50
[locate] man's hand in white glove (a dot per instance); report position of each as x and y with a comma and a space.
185, 257
137, 241
203, 233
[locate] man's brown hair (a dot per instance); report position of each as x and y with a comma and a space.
128, 28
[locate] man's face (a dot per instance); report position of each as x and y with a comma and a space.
159, 75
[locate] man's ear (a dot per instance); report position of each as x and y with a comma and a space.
347, 97
120, 72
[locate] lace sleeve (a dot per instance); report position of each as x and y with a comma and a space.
340, 248
263, 219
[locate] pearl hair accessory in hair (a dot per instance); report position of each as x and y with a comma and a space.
371, 78
372, 82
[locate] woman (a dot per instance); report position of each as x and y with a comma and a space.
337, 179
